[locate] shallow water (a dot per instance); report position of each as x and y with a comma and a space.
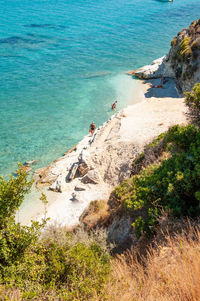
62, 64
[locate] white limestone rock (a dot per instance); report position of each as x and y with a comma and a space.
158, 68
57, 185
80, 188
91, 177
73, 171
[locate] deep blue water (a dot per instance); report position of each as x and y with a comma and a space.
62, 64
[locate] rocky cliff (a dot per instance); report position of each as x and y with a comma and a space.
184, 57
182, 62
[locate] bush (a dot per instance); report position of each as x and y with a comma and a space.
36, 268
76, 273
12, 194
192, 100
172, 185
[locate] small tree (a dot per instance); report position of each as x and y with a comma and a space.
43, 198
14, 238
12, 194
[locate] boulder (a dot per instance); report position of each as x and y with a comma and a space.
91, 177
56, 186
73, 171
158, 68
44, 176
80, 188
31, 162
26, 168
82, 169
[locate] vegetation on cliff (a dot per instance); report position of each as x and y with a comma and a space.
165, 184
192, 100
171, 185
170, 271
165, 180
184, 57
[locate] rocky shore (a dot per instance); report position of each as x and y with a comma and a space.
181, 63
98, 163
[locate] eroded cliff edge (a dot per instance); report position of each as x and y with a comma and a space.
181, 63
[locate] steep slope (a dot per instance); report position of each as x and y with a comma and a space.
184, 57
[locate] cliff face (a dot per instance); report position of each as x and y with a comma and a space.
184, 57
182, 62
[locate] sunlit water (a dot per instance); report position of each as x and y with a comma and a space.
62, 64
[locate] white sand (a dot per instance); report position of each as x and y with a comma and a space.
110, 153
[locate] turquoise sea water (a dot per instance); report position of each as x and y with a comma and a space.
62, 64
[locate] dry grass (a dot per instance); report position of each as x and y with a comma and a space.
170, 272
63, 235
96, 215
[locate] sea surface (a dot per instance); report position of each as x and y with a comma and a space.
62, 64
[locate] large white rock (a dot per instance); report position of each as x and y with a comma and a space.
158, 68
91, 177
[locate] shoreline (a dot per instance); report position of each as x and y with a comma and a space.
102, 161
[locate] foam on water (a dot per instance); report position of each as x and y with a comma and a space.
61, 65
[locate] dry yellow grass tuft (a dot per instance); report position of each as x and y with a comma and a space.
170, 272
96, 215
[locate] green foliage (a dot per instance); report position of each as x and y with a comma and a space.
192, 99
173, 42
12, 194
39, 267
74, 272
138, 226
185, 48
88, 270
155, 142
14, 240
96, 206
43, 199
172, 185
152, 152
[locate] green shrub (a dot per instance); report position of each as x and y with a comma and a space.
152, 152
77, 272
192, 100
12, 194
172, 185
38, 268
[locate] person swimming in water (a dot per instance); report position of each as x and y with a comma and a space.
92, 128
114, 105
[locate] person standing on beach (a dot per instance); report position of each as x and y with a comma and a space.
92, 128
114, 105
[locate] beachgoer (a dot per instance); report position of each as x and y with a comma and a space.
156, 86
114, 105
92, 128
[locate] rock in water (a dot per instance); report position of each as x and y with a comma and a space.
31, 162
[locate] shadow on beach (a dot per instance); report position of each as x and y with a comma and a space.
168, 88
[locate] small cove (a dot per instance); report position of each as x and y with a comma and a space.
62, 66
